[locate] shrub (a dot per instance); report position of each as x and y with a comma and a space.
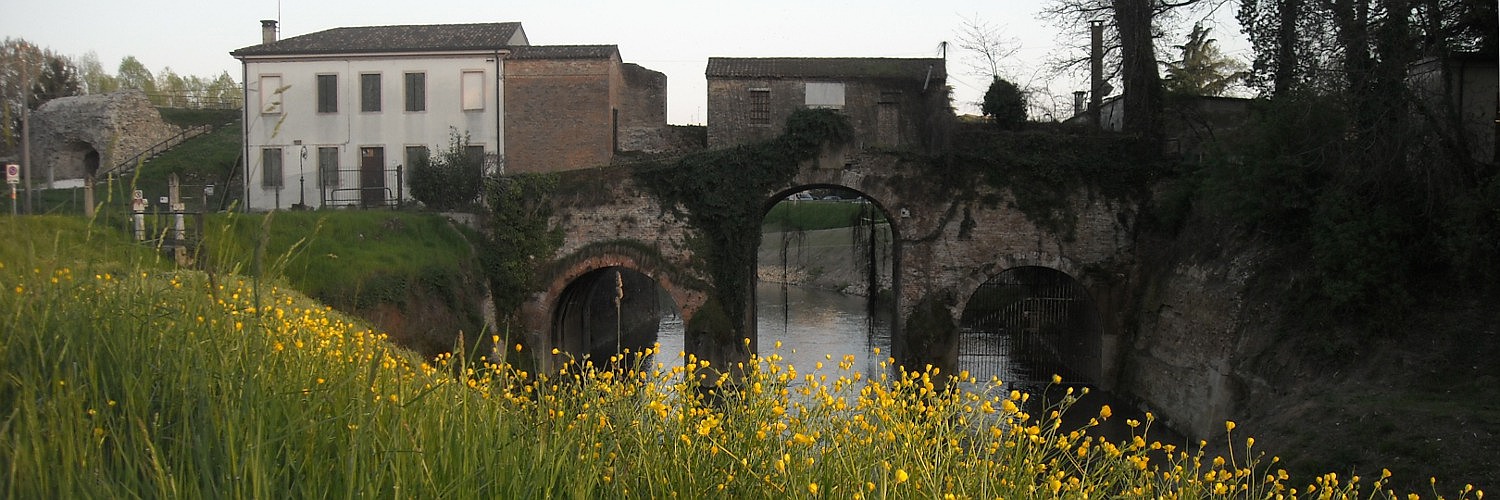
1004, 105
449, 179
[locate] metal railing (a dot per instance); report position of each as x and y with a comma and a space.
1027, 325
384, 191
157, 149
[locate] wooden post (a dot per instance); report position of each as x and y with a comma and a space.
88, 197
179, 232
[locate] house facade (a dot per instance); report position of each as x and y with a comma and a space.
333, 118
888, 101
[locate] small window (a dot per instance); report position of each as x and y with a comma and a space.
473, 90
416, 156
328, 166
369, 92
760, 106
270, 94
328, 93
416, 92
825, 95
270, 164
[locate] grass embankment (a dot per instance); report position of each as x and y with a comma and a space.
813, 215
122, 379
413, 274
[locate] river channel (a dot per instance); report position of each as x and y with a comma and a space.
812, 326
819, 326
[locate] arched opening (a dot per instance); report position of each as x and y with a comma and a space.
91, 163
615, 310
1027, 324
825, 279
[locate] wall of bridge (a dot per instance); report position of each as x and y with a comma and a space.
948, 241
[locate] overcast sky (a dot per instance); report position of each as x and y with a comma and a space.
194, 37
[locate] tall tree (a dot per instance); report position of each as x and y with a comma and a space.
171, 89
1132, 29
1138, 70
95, 79
134, 75
990, 46
224, 92
59, 78
1203, 69
21, 64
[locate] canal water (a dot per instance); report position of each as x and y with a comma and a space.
819, 326
813, 326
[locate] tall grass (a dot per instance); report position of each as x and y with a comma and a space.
133, 381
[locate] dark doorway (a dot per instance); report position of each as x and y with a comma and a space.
91, 163
372, 176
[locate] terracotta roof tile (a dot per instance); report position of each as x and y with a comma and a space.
564, 52
825, 67
407, 38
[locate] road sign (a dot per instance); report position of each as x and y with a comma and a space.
12, 173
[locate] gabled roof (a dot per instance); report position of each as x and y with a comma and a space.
407, 38
564, 52
825, 67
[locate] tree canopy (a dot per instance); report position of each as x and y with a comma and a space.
1203, 69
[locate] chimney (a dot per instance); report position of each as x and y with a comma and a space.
1078, 101
267, 30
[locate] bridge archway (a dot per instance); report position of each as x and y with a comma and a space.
827, 275
1027, 323
613, 310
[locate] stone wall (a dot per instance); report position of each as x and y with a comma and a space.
946, 245
884, 114
74, 137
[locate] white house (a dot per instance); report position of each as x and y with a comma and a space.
331, 115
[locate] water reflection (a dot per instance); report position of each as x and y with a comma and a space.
814, 326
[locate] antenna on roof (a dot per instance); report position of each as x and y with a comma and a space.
943, 49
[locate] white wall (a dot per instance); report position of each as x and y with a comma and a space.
350, 129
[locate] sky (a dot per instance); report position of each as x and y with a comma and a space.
194, 37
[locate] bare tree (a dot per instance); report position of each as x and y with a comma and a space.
990, 46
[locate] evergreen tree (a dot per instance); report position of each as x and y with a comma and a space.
1004, 105
1203, 70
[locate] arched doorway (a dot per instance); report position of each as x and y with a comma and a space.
825, 279
1027, 324
615, 310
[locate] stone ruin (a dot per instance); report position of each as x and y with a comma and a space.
75, 137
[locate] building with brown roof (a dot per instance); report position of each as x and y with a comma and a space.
888, 101
333, 117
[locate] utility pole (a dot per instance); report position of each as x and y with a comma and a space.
26, 128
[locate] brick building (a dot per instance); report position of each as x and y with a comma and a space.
575, 106
890, 102
331, 116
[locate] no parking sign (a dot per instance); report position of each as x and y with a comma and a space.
12, 173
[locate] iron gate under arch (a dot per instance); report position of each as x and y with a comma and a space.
1027, 324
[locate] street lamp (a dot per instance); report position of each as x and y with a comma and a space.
302, 178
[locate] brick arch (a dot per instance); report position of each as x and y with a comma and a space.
688, 295
965, 288
1097, 365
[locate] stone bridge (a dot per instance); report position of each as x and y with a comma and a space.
948, 241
